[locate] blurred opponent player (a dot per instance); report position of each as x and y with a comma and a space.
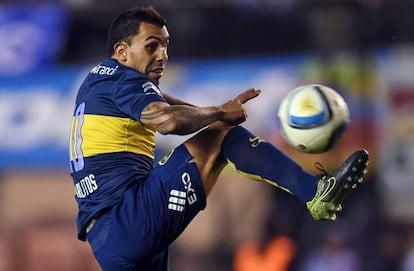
130, 209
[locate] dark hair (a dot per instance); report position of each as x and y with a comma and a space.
126, 25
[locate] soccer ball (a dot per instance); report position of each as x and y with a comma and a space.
312, 118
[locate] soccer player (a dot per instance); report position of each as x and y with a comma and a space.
130, 208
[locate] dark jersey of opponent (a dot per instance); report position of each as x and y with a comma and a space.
109, 148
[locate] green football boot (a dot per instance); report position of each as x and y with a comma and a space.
333, 187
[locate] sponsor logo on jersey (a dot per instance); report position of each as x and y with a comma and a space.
103, 70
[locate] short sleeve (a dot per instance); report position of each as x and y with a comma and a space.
134, 92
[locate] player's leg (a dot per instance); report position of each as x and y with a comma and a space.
114, 243
218, 145
259, 160
136, 232
205, 149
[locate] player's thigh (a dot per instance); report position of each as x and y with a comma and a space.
178, 191
154, 213
205, 148
138, 230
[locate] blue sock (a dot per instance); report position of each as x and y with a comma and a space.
259, 160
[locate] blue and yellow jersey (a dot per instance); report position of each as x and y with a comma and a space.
109, 147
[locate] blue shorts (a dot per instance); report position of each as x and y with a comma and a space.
135, 234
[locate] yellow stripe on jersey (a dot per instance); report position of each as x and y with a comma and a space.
106, 134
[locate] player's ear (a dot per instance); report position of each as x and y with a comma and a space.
120, 50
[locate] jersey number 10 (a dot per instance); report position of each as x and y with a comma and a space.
75, 150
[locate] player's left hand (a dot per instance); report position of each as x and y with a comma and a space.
247, 95
235, 111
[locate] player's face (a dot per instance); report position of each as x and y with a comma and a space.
147, 51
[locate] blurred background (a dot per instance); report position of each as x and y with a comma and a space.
362, 48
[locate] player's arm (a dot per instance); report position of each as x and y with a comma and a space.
179, 119
186, 119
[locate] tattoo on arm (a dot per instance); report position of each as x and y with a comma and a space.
180, 119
